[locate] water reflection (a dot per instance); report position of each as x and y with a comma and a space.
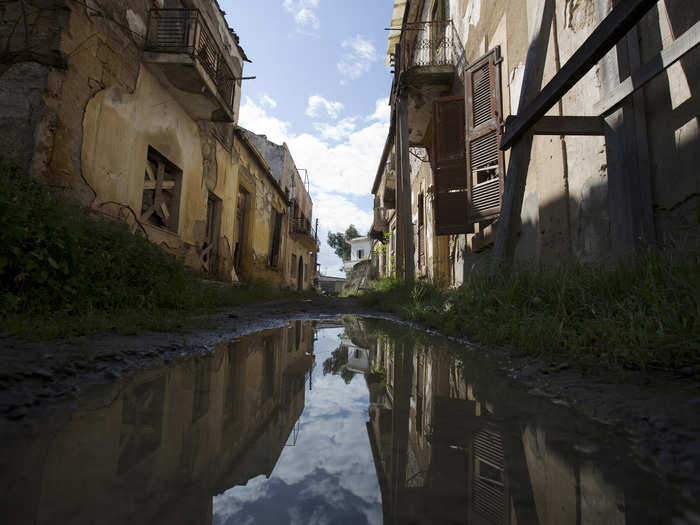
156, 448
393, 427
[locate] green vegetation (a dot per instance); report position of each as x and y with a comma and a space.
646, 315
339, 241
63, 269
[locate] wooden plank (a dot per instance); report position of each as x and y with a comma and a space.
649, 70
603, 38
556, 125
514, 191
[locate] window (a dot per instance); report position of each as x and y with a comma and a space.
485, 164
477, 153
360, 254
306, 271
294, 266
160, 204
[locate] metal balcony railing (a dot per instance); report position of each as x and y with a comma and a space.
184, 31
300, 225
425, 44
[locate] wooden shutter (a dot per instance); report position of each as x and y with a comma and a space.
449, 165
485, 171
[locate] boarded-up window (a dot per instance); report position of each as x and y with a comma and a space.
485, 171
160, 204
450, 167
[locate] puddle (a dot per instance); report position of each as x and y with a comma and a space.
352, 421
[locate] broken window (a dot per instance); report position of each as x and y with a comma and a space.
485, 173
160, 203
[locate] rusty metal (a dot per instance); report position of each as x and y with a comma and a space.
184, 31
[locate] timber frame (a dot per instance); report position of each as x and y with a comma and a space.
635, 188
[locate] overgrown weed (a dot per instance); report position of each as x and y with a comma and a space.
65, 270
629, 315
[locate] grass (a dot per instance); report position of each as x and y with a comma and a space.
639, 316
65, 270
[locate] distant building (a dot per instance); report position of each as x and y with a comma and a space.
331, 285
360, 249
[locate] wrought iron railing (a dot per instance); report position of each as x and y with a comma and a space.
434, 43
185, 31
300, 225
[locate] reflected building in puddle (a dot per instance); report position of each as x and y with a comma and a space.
157, 447
452, 449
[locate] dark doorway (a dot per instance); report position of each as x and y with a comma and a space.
300, 274
211, 240
241, 227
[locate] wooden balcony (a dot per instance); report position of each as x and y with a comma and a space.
183, 53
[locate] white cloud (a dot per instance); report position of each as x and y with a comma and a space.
255, 118
358, 58
268, 101
342, 163
319, 105
382, 111
304, 12
339, 131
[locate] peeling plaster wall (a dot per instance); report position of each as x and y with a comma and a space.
85, 110
263, 199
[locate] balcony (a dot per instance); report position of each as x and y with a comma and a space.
430, 57
300, 228
182, 52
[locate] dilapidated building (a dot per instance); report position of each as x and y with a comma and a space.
610, 169
299, 253
131, 108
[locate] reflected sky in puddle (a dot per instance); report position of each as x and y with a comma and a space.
328, 475
359, 421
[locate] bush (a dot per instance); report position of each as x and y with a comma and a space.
60, 260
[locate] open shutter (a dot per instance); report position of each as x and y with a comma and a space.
449, 165
485, 171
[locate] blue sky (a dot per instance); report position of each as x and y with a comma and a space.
328, 476
322, 88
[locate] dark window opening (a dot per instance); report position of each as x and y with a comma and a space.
160, 204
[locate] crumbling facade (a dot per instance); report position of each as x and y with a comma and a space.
597, 188
131, 108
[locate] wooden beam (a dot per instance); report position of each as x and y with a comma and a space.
516, 176
612, 28
556, 125
649, 70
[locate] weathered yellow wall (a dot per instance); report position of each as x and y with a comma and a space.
118, 129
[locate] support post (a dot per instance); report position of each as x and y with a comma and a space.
516, 176
403, 186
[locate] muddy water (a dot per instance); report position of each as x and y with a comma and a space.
355, 421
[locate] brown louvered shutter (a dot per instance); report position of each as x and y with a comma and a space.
485, 171
450, 166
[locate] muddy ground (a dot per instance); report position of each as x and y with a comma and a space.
660, 409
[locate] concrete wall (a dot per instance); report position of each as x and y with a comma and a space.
568, 213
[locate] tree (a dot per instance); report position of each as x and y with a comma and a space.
339, 241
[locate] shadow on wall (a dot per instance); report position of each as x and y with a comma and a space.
673, 105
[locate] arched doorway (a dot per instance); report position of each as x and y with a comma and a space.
300, 274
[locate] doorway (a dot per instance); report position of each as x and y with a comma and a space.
209, 253
300, 274
241, 226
